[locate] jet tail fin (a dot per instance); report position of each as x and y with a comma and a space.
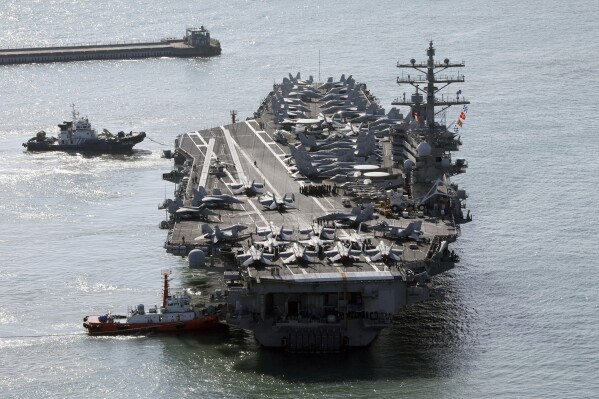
206, 229
198, 194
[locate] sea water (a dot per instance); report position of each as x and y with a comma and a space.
79, 235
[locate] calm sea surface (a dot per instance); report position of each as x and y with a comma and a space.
519, 315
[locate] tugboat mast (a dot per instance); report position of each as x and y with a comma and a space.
165, 294
423, 111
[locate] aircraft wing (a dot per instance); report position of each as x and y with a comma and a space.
231, 200
286, 234
290, 259
306, 232
331, 216
327, 233
333, 255
395, 254
211, 199
201, 238
264, 233
267, 258
345, 237
228, 232
245, 259
374, 254
237, 188
310, 256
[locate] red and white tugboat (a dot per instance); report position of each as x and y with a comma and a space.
175, 315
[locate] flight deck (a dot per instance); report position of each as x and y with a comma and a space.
264, 160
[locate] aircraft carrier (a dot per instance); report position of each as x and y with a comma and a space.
325, 214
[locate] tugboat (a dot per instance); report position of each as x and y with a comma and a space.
175, 315
79, 136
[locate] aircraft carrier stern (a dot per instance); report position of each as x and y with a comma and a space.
326, 215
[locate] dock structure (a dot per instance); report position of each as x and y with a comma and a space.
196, 43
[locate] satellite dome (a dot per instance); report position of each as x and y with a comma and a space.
445, 162
408, 164
424, 149
196, 259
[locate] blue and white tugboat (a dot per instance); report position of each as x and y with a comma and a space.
79, 136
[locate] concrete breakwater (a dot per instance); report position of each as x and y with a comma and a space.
196, 43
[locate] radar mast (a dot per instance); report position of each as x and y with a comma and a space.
429, 85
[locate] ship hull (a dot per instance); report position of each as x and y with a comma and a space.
96, 327
311, 336
121, 146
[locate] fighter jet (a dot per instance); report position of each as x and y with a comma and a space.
217, 167
298, 81
281, 137
372, 185
342, 82
358, 215
270, 243
320, 231
341, 177
343, 253
371, 114
304, 165
171, 205
412, 230
384, 251
217, 199
298, 253
255, 255
272, 202
280, 233
356, 238
246, 187
192, 212
316, 242
311, 142
217, 234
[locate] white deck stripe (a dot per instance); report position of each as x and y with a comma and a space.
234, 154
207, 159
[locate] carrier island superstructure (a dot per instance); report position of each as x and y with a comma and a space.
326, 215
